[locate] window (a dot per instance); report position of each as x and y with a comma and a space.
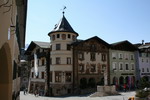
58, 35
142, 69
43, 62
114, 65
114, 55
42, 73
103, 67
132, 57
57, 46
68, 77
120, 56
93, 47
81, 67
38, 62
63, 36
50, 62
147, 70
37, 75
73, 38
68, 60
103, 57
69, 36
32, 64
37, 51
32, 74
57, 76
126, 56
147, 60
81, 56
93, 68
120, 66
53, 37
68, 47
50, 76
57, 60
93, 57
132, 66
127, 66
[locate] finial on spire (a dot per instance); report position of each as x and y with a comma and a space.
64, 9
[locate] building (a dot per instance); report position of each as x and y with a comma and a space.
24, 74
40, 49
123, 64
12, 39
90, 64
144, 60
61, 66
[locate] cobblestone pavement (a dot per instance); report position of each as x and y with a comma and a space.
123, 96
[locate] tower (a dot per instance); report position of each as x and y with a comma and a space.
61, 66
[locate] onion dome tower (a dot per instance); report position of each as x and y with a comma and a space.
61, 67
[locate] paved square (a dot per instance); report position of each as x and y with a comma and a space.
123, 96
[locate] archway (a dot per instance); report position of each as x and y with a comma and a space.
115, 81
83, 83
92, 83
5, 73
127, 80
121, 82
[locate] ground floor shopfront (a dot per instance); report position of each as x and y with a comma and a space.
121, 80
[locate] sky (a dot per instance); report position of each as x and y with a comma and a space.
110, 20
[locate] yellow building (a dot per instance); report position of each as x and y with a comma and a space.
12, 39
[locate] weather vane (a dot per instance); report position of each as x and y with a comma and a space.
64, 9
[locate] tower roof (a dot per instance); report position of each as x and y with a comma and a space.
63, 26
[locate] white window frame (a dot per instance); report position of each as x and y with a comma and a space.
114, 66
114, 55
120, 66
120, 56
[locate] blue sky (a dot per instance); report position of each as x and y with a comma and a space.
111, 20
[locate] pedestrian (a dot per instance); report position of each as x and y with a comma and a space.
36, 93
24, 91
125, 87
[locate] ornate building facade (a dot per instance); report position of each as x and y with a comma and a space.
90, 64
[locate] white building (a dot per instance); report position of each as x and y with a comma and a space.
144, 60
61, 69
40, 49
